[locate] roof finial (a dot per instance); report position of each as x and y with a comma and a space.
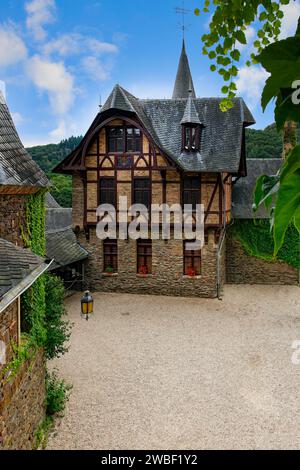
182, 11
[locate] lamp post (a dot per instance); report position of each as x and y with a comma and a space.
87, 305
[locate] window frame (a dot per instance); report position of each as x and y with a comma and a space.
147, 189
110, 250
113, 187
142, 245
191, 134
125, 139
194, 255
191, 190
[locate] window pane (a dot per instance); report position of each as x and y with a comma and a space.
115, 139
133, 139
110, 256
142, 191
144, 256
192, 262
107, 191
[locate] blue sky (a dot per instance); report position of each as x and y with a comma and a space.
57, 58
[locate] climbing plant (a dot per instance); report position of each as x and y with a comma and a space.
228, 27
257, 241
42, 315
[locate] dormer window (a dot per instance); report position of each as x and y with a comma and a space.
191, 127
191, 138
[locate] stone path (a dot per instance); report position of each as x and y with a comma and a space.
173, 373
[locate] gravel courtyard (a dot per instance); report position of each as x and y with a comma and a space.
172, 373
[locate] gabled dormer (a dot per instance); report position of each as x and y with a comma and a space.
191, 127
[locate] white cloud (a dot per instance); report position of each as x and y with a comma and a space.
12, 48
150, 90
3, 88
40, 13
75, 44
17, 118
250, 34
95, 69
290, 20
250, 83
60, 132
53, 78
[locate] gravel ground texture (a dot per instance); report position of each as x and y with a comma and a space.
174, 373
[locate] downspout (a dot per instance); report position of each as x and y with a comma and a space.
221, 243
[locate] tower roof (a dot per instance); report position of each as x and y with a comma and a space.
184, 80
17, 168
118, 100
190, 114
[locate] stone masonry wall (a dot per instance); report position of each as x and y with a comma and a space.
22, 405
244, 269
167, 269
12, 217
22, 398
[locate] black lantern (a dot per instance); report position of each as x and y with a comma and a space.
87, 305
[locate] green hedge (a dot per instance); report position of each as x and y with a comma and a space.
257, 241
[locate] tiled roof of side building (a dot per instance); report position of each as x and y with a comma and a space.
242, 196
16, 165
16, 265
61, 243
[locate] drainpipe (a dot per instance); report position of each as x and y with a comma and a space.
221, 243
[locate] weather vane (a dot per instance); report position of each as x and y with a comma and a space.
183, 11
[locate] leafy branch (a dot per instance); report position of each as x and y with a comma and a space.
228, 33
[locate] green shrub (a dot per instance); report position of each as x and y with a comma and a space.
57, 394
58, 330
257, 241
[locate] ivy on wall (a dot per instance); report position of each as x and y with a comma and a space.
257, 241
41, 316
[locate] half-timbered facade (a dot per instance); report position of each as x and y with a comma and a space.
182, 150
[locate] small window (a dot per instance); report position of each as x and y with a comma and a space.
110, 256
115, 136
124, 139
124, 161
133, 140
141, 191
191, 191
108, 191
191, 138
144, 257
192, 261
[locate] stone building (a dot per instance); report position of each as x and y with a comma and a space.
22, 394
182, 150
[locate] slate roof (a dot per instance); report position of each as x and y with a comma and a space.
16, 165
242, 197
16, 266
222, 137
184, 80
61, 242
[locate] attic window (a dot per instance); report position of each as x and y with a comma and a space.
191, 137
124, 139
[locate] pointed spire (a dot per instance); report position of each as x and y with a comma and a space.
184, 80
190, 114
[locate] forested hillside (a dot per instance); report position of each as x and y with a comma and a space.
265, 143
48, 156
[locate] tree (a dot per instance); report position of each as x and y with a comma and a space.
281, 58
